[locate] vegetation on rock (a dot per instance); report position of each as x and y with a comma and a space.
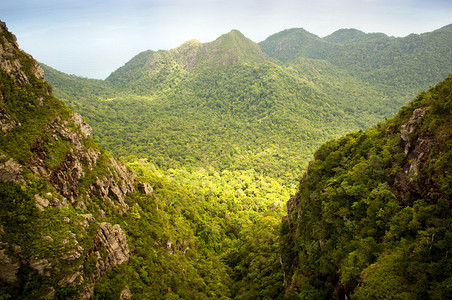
371, 218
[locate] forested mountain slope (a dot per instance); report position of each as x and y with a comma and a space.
55, 188
372, 218
398, 66
75, 223
227, 105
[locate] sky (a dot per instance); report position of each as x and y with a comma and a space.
92, 38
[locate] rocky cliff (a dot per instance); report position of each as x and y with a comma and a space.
57, 189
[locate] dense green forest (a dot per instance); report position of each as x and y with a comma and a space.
371, 218
397, 66
215, 137
183, 234
228, 105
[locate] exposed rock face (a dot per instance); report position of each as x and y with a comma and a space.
10, 171
113, 240
84, 127
65, 177
6, 123
116, 185
125, 177
112, 187
145, 188
76, 250
126, 294
8, 268
418, 144
40, 265
408, 129
41, 203
11, 62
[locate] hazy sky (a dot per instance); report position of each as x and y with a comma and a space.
92, 38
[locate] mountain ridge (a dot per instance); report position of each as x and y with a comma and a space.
232, 79
447, 27
389, 63
226, 50
352, 35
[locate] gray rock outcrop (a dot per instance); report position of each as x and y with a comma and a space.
10, 61
114, 241
6, 122
408, 129
8, 268
10, 170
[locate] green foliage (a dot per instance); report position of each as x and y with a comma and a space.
235, 126
391, 64
224, 104
229, 130
56, 152
352, 229
22, 106
189, 237
17, 208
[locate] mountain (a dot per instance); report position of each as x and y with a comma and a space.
400, 66
224, 104
371, 217
150, 71
344, 36
75, 222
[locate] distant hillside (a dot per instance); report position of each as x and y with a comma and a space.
345, 36
224, 104
399, 66
371, 218
77, 86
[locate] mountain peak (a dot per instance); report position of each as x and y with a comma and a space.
352, 35
233, 38
190, 43
296, 40
345, 35
232, 47
294, 32
235, 32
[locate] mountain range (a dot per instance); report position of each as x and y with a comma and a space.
212, 138
239, 96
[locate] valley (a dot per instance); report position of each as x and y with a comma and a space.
200, 149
